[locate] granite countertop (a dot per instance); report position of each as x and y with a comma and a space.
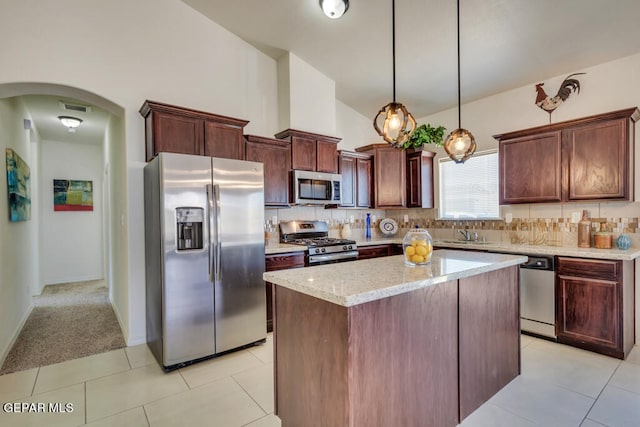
502, 247
357, 282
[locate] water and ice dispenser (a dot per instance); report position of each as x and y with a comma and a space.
190, 228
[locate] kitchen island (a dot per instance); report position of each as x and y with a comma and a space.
378, 343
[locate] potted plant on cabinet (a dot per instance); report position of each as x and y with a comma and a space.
425, 134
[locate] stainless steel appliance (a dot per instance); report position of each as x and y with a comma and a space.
316, 188
322, 249
204, 256
537, 296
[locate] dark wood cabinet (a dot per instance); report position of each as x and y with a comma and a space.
389, 180
375, 251
420, 179
355, 169
275, 262
530, 169
311, 151
584, 159
173, 129
275, 154
597, 157
594, 305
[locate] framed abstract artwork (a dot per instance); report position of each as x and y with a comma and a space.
19, 187
72, 195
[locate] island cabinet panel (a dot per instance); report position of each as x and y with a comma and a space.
275, 155
594, 305
279, 262
169, 128
311, 151
389, 178
355, 169
590, 158
370, 364
489, 336
530, 169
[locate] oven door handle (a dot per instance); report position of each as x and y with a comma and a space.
333, 257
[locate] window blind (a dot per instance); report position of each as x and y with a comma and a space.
470, 190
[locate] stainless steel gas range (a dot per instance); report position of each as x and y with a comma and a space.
322, 249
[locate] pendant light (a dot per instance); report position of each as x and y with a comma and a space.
460, 144
393, 122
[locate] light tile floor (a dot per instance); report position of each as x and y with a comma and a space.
559, 386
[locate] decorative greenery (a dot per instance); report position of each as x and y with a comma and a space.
425, 134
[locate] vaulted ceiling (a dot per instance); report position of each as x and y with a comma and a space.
504, 43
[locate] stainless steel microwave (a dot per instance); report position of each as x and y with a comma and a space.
315, 188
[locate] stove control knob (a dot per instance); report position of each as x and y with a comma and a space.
322, 250
350, 247
344, 248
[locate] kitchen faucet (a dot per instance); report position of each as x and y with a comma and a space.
468, 235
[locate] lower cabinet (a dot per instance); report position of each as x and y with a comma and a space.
594, 305
375, 251
279, 262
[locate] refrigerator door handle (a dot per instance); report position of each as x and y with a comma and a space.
210, 205
216, 234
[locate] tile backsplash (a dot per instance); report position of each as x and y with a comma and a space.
530, 224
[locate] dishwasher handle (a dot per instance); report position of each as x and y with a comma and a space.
538, 263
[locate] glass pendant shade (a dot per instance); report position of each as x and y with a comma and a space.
394, 124
460, 145
334, 9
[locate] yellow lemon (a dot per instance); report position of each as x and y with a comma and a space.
421, 250
414, 243
417, 258
422, 243
410, 250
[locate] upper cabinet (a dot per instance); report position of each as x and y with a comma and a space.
355, 169
420, 179
312, 152
275, 154
389, 179
182, 130
584, 159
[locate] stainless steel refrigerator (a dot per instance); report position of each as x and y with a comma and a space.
204, 233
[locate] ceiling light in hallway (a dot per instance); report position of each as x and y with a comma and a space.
70, 122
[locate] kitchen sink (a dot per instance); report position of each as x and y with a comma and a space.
464, 242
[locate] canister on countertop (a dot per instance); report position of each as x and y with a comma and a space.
602, 240
584, 231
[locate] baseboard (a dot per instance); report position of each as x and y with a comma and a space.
64, 280
16, 333
123, 328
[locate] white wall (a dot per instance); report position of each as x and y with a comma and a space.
127, 52
18, 265
72, 242
312, 99
355, 129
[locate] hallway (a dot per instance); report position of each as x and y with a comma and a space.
68, 321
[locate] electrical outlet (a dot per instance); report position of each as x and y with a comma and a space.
575, 217
508, 217
406, 218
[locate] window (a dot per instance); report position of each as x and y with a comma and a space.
470, 190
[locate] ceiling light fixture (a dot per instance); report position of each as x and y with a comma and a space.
334, 9
70, 122
394, 116
460, 144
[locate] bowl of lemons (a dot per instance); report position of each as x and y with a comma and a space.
417, 247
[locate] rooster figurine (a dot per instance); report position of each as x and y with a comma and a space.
550, 103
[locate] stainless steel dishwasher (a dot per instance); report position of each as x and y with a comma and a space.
537, 296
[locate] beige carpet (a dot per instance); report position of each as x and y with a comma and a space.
68, 321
